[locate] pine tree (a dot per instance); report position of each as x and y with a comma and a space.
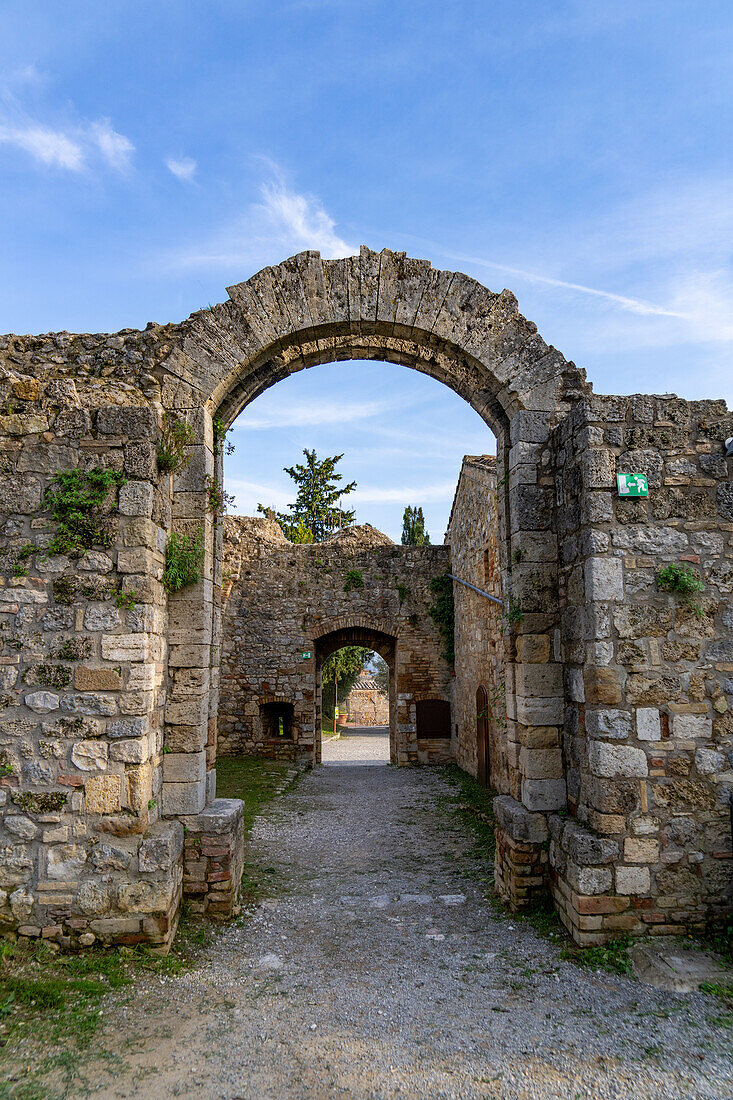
315, 512
413, 528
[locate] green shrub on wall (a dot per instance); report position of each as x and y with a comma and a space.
443, 613
81, 501
183, 560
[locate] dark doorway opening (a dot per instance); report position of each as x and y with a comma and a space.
483, 773
277, 721
432, 717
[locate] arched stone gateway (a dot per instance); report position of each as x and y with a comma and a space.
610, 694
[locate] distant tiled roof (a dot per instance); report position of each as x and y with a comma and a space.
365, 685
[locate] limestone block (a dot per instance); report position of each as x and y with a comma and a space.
707, 762
610, 761
210, 786
604, 579
139, 780
102, 617
652, 541
576, 687
141, 678
598, 469
107, 857
533, 648
518, 822
648, 724
145, 896
96, 679
585, 848
602, 686
184, 767
89, 703
19, 826
65, 861
543, 795
95, 561
133, 421
540, 712
186, 738
90, 756
125, 647
161, 847
589, 880
222, 818
189, 710
641, 850
687, 726
16, 865
136, 499
543, 680
20, 494
633, 880
136, 751
184, 798
541, 763
103, 794
42, 701
132, 728
21, 904
140, 460
612, 724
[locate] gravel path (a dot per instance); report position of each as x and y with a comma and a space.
358, 745
378, 969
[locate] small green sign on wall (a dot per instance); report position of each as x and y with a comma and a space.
632, 485
306, 654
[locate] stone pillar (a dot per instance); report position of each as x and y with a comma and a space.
190, 636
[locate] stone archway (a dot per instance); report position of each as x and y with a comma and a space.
389, 307
384, 643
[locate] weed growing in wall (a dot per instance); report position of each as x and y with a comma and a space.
216, 498
443, 613
183, 560
514, 614
80, 501
221, 443
354, 579
175, 436
683, 581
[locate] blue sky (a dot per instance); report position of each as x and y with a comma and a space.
577, 152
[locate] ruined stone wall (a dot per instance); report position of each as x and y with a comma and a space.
281, 598
83, 662
648, 738
479, 641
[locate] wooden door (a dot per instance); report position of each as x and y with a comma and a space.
482, 737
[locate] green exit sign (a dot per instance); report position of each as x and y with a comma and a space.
632, 485
306, 655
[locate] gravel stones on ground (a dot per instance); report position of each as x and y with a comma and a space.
378, 968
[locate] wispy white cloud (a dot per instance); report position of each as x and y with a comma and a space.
306, 414
248, 494
115, 148
283, 222
74, 147
183, 168
51, 147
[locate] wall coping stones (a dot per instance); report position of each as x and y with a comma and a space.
518, 821
219, 817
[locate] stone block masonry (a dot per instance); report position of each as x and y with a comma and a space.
283, 603
617, 694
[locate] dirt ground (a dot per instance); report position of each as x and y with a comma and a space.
377, 967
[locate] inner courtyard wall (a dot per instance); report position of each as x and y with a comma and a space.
279, 599
480, 641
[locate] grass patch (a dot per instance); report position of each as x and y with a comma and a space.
327, 727
53, 1004
473, 805
612, 956
251, 778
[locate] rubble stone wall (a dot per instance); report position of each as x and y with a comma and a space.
110, 685
648, 741
282, 599
479, 640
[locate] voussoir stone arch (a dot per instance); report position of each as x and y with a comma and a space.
377, 305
